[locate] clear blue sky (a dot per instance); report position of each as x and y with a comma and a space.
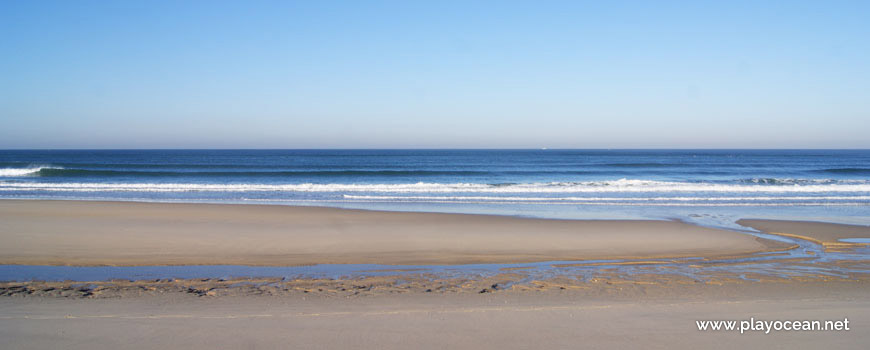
409, 74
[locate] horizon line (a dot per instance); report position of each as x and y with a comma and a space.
433, 149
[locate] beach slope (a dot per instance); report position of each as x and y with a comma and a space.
87, 233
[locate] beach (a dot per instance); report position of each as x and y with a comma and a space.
510, 309
556, 319
641, 282
86, 233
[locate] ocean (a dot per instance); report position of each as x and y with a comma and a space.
708, 187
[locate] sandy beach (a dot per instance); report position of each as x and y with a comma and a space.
624, 304
658, 317
126, 234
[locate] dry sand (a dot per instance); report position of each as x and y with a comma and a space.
530, 320
127, 233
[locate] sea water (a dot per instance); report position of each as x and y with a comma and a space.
708, 187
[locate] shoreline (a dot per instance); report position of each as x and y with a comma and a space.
689, 254
601, 305
92, 233
828, 235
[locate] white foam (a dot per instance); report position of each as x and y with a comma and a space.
604, 199
617, 186
16, 172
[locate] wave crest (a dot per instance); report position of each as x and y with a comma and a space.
18, 172
614, 186
857, 171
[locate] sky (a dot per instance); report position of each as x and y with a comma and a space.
434, 74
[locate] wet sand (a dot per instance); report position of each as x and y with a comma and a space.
824, 233
128, 234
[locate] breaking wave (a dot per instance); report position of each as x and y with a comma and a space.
19, 172
614, 186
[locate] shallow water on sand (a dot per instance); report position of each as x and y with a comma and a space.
808, 259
